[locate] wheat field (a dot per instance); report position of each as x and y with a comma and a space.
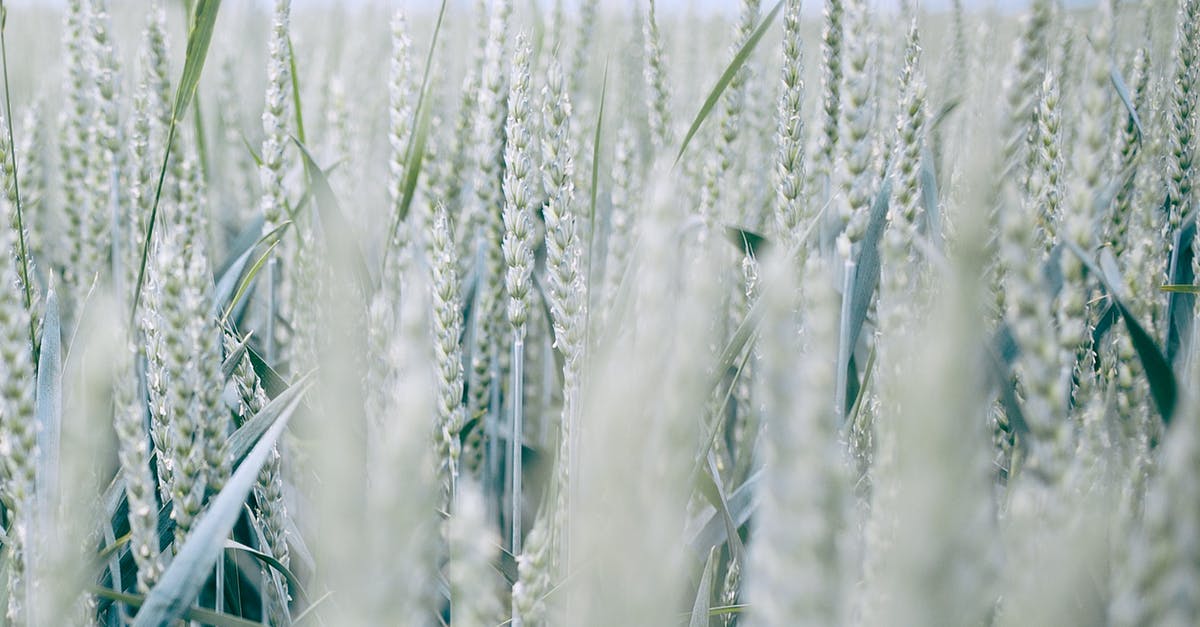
571, 312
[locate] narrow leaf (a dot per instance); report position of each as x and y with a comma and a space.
250, 234
736, 551
943, 113
234, 357
742, 503
1180, 304
292, 580
867, 274
196, 614
273, 383
929, 200
204, 19
192, 566
250, 149
249, 433
297, 107
750, 243
49, 401
415, 151
249, 278
704, 592
1123, 91
228, 282
736, 64
1163, 386
596, 151
338, 233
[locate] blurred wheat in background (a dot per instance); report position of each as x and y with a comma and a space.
485, 313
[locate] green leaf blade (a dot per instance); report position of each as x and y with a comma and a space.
735, 65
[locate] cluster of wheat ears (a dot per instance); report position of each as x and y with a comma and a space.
522, 313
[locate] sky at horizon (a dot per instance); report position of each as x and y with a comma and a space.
704, 5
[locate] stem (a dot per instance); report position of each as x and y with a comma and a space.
518, 419
162, 175
219, 581
272, 309
844, 348
12, 151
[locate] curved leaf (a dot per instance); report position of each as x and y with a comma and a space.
183, 579
196, 614
269, 560
246, 436
866, 277
415, 151
750, 243
1123, 91
736, 64
704, 592
1164, 389
1180, 303
200, 32
338, 234
742, 503
204, 19
49, 400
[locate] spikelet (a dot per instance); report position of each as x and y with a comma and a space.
655, 432
486, 225
73, 145
1161, 582
140, 190
129, 421
268, 491
625, 192
856, 181
1079, 220
447, 323
105, 162
800, 563
473, 601
1046, 159
722, 161
401, 489
657, 88
184, 361
583, 44
1127, 158
789, 136
1030, 312
18, 424
566, 281
519, 149
1182, 107
32, 176
1030, 55
270, 508
275, 119
911, 123
459, 175
401, 107
832, 43
535, 566
938, 489
14, 210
